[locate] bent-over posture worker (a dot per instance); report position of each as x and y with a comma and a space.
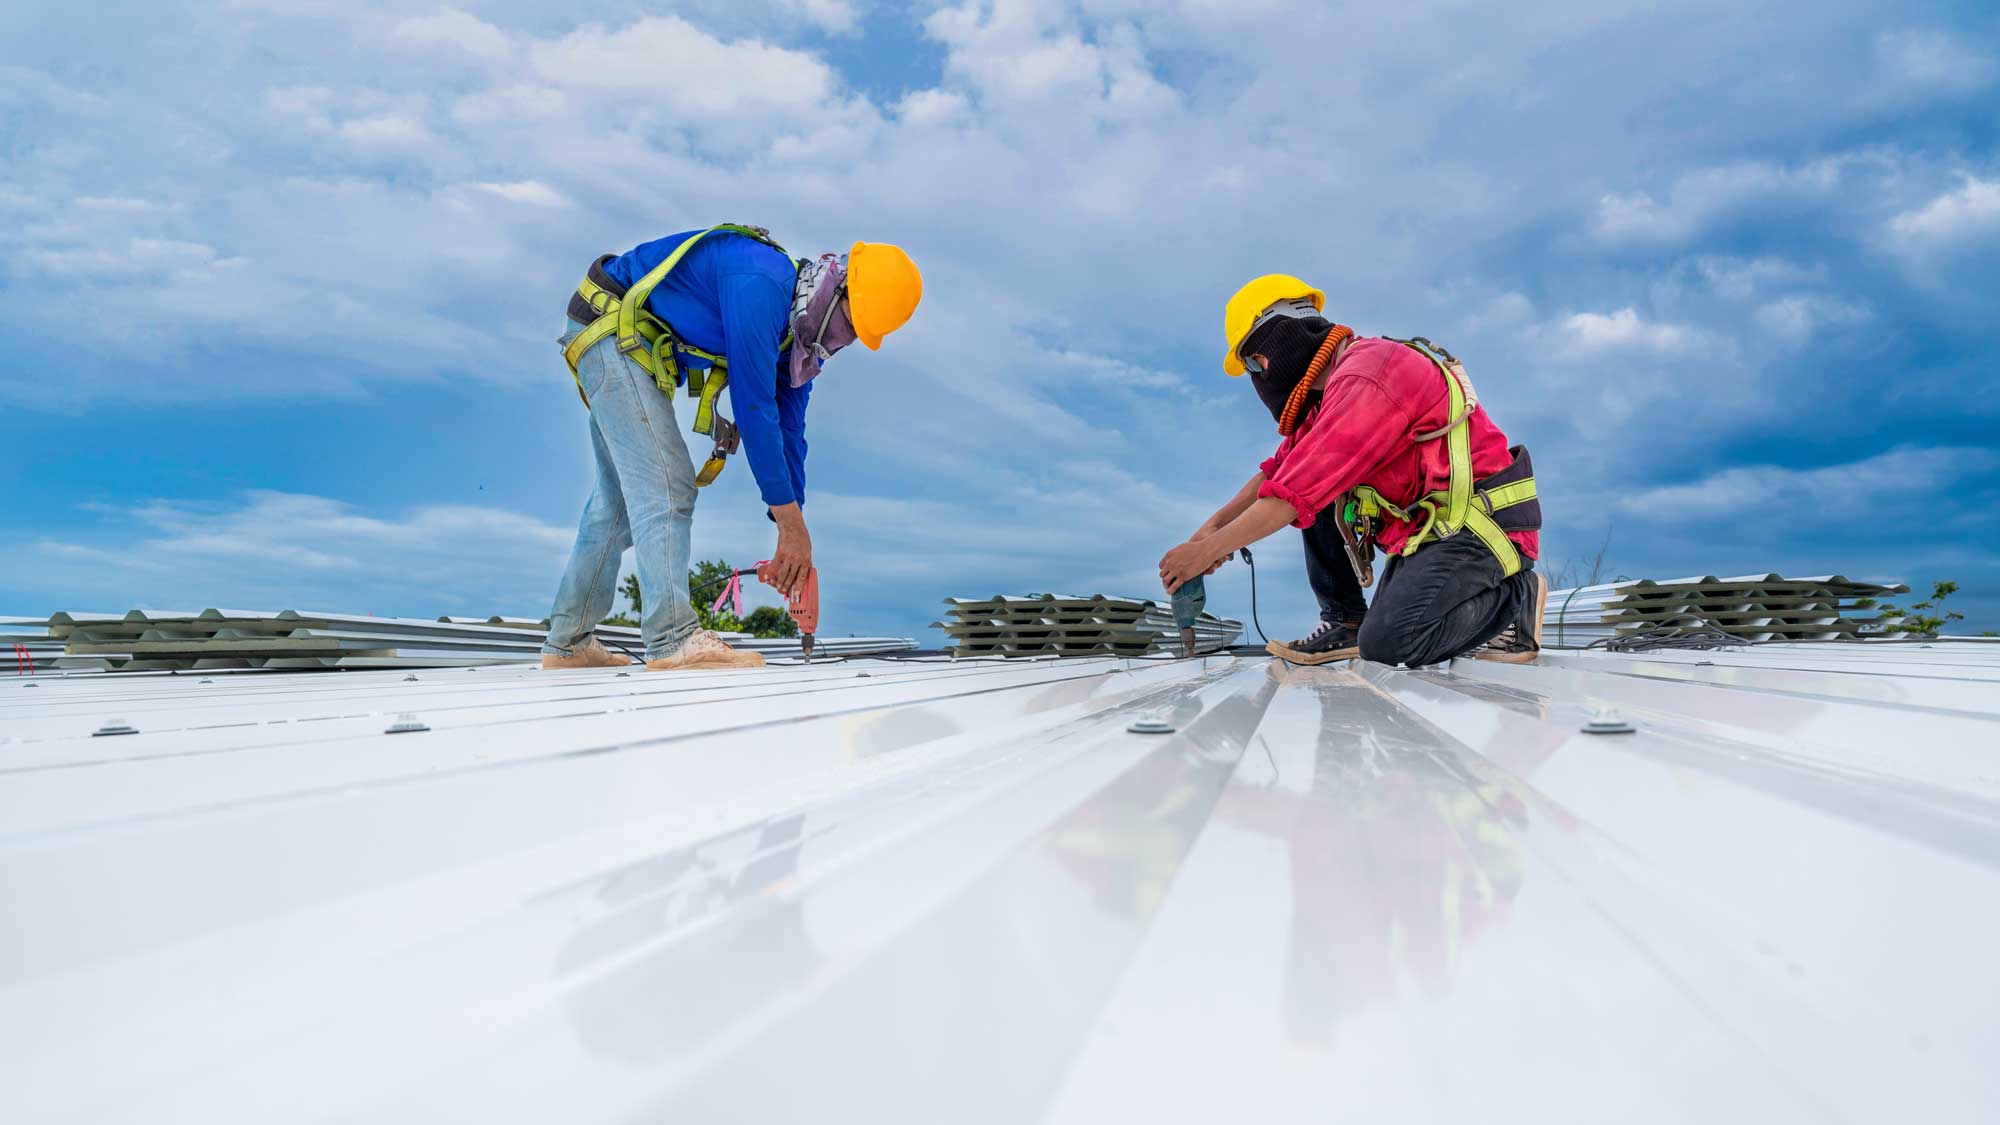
1388, 438
703, 311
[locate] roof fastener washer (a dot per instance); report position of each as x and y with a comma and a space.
406, 723
1607, 721
1150, 724
114, 726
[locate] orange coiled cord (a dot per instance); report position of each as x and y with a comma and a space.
1289, 420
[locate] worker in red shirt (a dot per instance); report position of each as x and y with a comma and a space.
1389, 435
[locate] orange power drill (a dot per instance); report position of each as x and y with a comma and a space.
803, 605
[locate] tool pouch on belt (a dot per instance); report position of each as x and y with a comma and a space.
580, 310
1492, 495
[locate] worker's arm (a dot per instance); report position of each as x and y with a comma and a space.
1199, 556
754, 310
792, 421
1238, 504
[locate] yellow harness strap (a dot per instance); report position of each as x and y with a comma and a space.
1444, 513
651, 343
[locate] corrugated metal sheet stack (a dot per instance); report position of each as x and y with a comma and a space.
1071, 625
25, 643
219, 639
1754, 607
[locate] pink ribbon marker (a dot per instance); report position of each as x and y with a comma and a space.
732, 591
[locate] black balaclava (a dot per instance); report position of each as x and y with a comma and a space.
1288, 344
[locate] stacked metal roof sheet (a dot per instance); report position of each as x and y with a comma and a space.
219, 639
1066, 891
1069, 625
1753, 607
25, 643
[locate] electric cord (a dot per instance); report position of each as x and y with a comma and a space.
1252, 564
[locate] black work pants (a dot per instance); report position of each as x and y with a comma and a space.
1448, 598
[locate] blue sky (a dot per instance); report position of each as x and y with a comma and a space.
279, 283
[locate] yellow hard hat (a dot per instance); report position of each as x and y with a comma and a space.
883, 288
1261, 294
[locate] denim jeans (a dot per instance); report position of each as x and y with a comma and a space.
644, 498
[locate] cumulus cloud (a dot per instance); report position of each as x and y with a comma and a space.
1590, 334
1706, 195
452, 29
1972, 211
299, 548
531, 192
1930, 58
1824, 493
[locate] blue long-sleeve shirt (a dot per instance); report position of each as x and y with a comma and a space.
732, 295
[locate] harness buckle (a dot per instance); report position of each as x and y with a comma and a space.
726, 437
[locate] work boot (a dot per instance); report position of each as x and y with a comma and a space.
587, 653
703, 649
1520, 642
1333, 640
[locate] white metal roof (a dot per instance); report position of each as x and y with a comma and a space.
903, 891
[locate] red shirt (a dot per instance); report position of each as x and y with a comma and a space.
1378, 396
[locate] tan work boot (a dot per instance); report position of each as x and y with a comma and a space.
587, 653
1512, 648
703, 649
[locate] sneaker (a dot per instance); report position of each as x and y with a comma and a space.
1515, 645
1333, 640
703, 649
587, 653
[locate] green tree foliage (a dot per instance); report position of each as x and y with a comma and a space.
1925, 618
770, 621
631, 591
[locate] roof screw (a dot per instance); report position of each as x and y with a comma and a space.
31, 683
406, 723
114, 726
204, 681
1608, 721
1150, 724
863, 676
409, 679
622, 675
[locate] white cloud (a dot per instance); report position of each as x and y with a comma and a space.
711, 78
293, 549
1700, 197
1928, 58
1792, 320
1817, 495
1972, 211
390, 131
531, 192
451, 28
1589, 333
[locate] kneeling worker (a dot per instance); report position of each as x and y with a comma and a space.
703, 310
1383, 439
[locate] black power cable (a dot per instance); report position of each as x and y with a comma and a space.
1252, 564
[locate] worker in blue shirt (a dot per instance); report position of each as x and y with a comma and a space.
663, 329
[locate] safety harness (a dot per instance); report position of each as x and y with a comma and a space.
1489, 508
606, 307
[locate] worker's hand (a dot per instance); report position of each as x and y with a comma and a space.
1194, 557
794, 556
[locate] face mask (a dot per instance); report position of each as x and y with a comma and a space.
819, 316
1288, 345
